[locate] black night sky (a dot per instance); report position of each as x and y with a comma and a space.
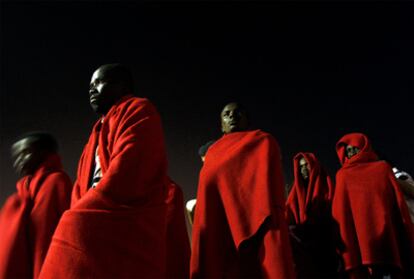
309, 72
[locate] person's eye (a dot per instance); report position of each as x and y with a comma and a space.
403, 177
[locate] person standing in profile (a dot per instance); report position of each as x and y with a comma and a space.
117, 223
373, 219
239, 227
191, 204
178, 244
29, 217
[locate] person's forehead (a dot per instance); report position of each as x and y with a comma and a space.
98, 74
21, 145
231, 106
302, 161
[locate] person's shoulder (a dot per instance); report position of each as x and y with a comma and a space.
259, 134
136, 105
57, 179
342, 172
134, 101
139, 100
381, 165
52, 183
263, 136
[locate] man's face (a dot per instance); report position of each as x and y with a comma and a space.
233, 119
351, 151
103, 92
304, 168
26, 158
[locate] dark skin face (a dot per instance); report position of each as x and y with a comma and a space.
104, 91
233, 119
26, 157
304, 168
351, 151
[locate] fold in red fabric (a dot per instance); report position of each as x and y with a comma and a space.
313, 199
370, 210
239, 228
178, 244
29, 218
116, 230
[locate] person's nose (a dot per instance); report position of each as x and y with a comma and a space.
92, 89
17, 161
234, 115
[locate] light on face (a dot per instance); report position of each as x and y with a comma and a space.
351, 151
304, 168
22, 155
233, 119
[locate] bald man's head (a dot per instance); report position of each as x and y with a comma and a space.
109, 83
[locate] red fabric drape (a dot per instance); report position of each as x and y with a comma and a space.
370, 210
178, 244
239, 227
29, 218
116, 230
318, 193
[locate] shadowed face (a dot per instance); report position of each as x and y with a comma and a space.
304, 168
233, 119
104, 91
351, 151
26, 158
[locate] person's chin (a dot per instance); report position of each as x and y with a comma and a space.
95, 107
22, 172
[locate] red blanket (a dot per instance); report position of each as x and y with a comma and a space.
303, 202
370, 210
29, 218
239, 227
116, 230
178, 244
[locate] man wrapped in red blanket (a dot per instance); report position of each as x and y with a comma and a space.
308, 212
373, 219
30, 216
239, 227
116, 226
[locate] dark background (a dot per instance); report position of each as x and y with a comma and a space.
309, 72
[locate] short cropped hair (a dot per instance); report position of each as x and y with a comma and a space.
119, 72
242, 107
42, 140
203, 149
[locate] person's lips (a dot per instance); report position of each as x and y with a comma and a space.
18, 166
93, 97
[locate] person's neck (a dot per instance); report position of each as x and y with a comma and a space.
305, 182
